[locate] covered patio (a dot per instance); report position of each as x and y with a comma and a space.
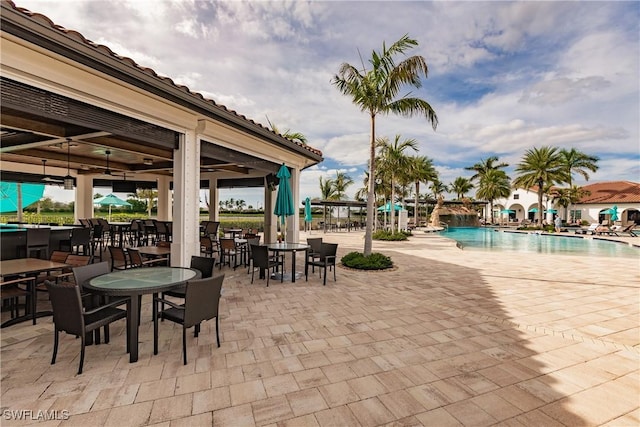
76, 114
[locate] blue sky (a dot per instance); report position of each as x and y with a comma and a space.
503, 76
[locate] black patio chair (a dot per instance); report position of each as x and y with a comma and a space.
260, 259
69, 316
327, 259
202, 298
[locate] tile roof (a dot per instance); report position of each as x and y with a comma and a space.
106, 50
612, 192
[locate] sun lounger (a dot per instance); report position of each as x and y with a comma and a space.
591, 230
620, 229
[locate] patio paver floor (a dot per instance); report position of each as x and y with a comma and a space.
449, 337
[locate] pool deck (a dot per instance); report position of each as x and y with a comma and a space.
448, 337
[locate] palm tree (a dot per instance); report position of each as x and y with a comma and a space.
393, 161
539, 167
421, 170
376, 91
579, 162
149, 195
461, 186
483, 166
494, 184
327, 192
340, 184
294, 136
437, 188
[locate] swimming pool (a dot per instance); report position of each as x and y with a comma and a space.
493, 240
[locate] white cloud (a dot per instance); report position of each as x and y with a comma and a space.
504, 76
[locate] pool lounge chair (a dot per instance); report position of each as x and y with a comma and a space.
591, 230
620, 229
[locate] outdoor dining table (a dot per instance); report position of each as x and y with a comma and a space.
289, 247
134, 283
120, 228
154, 251
28, 267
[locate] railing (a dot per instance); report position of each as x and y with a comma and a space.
444, 225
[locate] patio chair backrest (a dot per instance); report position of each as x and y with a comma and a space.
202, 299
66, 303
84, 273
260, 256
204, 265
315, 244
328, 250
227, 244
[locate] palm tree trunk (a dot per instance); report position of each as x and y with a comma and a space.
540, 209
392, 208
416, 213
368, 237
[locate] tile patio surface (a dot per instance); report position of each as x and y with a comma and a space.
450, 337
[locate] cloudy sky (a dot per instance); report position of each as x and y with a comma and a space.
503, 77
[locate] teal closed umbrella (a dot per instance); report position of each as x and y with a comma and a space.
307, 211
614, 213
284, 199
28, 193
111, 200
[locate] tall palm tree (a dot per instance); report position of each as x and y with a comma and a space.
437, 188
340, 184
461, 186
579, 162
485, 165
421, 170
539, 167
327, 192
394, 161
493, 185
376, 91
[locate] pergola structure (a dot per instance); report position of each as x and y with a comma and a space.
72, 108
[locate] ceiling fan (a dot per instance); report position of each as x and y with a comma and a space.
108, 170
46, 178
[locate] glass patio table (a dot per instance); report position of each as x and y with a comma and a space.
134, 283
289, 247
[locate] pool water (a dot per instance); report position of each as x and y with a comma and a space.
491, 239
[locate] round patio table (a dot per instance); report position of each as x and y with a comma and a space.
134, 283
289, 247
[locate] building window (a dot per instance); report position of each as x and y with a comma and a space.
516, 196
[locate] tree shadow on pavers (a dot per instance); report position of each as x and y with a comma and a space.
436, 327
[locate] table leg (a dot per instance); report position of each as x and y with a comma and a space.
293, 266
133, 315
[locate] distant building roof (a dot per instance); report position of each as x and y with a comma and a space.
612, 192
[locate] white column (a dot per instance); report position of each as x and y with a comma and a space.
293, 222
214, 199
83, 198
186, 186
164, 199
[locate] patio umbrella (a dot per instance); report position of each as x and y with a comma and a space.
111, 200
387, 207
533, 210
551, 210
284, 199
307, 212
507, 211
9, 192
614, 213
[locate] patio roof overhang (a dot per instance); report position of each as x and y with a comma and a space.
38, 122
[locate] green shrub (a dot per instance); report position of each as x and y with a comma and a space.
390, 236
375, 261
